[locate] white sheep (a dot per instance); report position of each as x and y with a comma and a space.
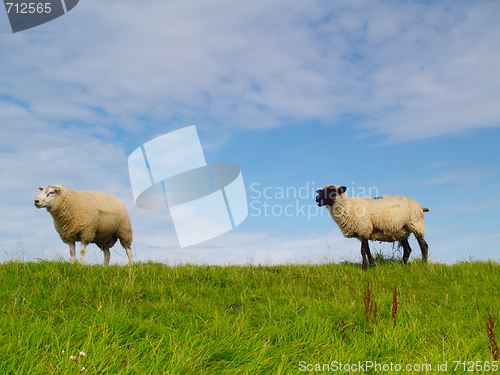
387, 218
88, 217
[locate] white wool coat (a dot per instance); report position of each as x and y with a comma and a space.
91, 217
388, 218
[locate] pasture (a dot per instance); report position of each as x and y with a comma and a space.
289, 319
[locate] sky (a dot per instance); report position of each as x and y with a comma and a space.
383, 97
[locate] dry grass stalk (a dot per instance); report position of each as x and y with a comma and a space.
491, 336
367, 300
394, 305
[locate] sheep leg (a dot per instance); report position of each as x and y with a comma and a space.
369, 253
72, 251
82, 251
423, 246
406, 250
107, 255
365, 251
129, 254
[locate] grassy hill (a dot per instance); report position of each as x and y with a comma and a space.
292, 319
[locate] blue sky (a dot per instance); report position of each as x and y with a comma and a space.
400, 96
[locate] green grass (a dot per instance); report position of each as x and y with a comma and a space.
152, 318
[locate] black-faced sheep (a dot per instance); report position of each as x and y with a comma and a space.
387, 218
88, 217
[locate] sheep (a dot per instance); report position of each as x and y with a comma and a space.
87, 217
387, 218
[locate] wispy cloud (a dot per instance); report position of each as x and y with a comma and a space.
462, 176
409, 70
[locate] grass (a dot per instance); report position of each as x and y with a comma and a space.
152, 318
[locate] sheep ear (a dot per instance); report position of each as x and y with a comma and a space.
40, 188
341, 190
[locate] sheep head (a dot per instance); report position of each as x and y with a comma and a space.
327, 195
46, 197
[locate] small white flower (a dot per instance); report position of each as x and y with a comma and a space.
83, 369
73, 358
81, 354
63, 352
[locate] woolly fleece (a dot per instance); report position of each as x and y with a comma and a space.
390, 218
91, 217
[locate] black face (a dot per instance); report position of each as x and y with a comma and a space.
327, 195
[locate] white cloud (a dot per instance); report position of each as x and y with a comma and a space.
409, 70
470, 177
239, 247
